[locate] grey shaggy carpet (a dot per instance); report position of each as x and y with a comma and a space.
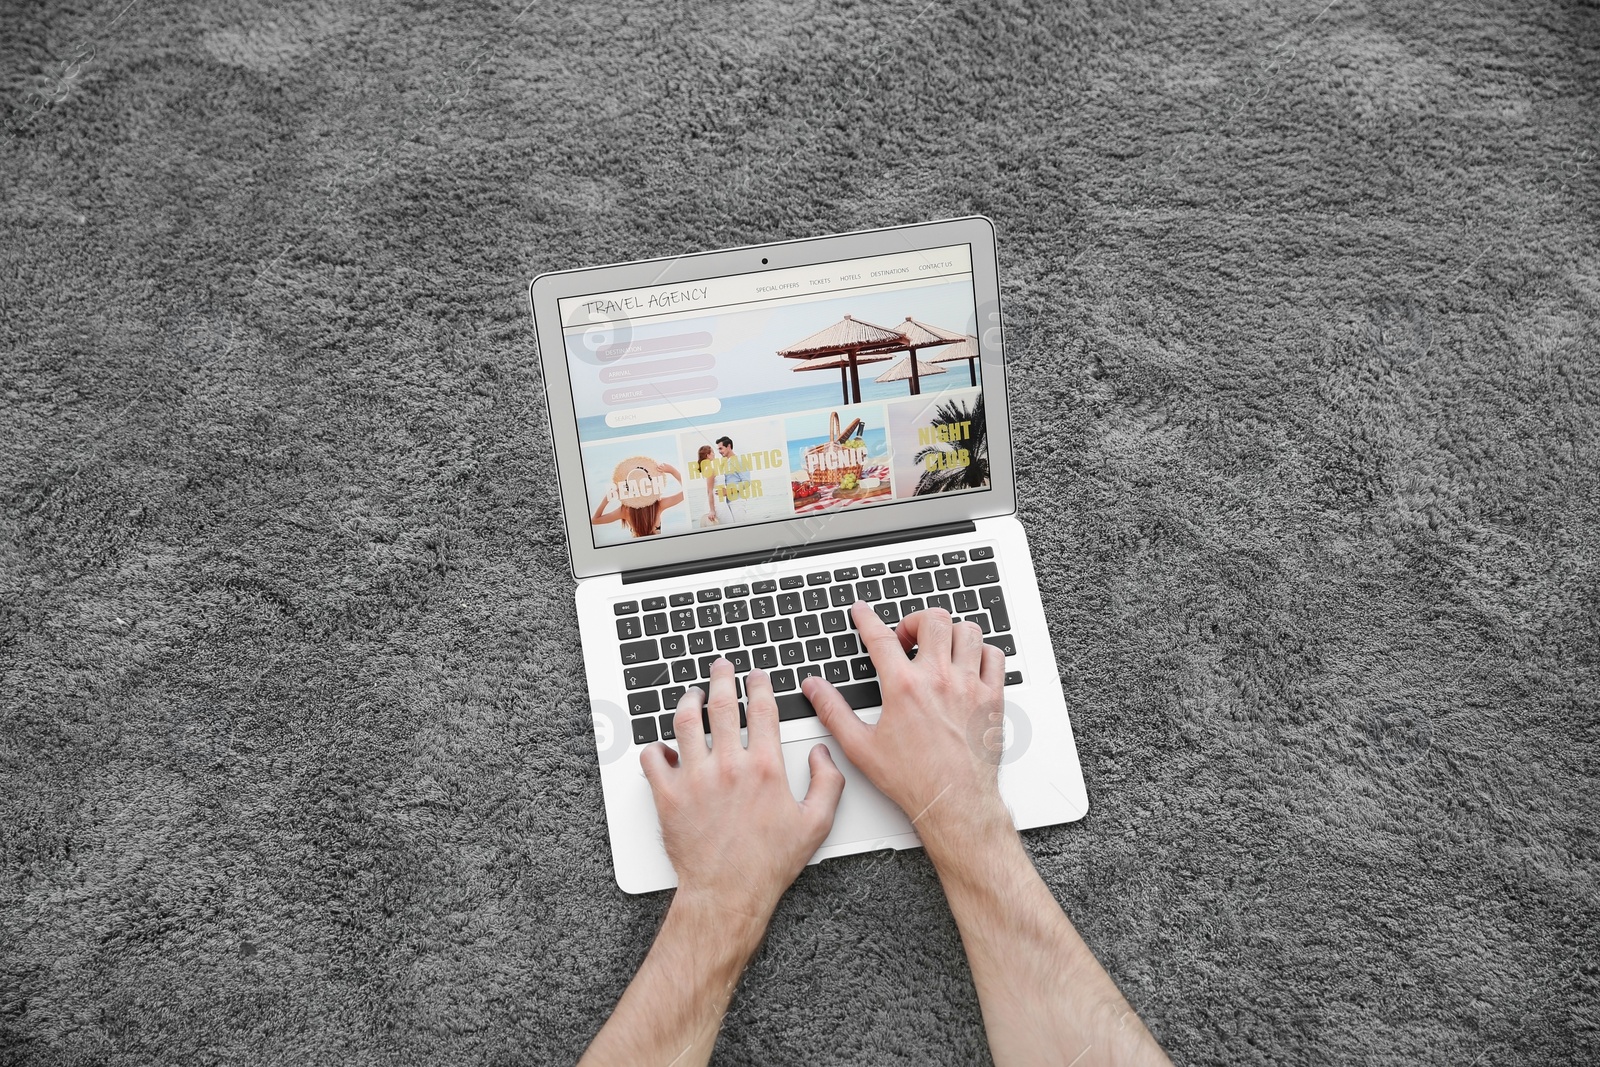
1302, 304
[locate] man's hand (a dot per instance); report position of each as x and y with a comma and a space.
730, 825
737, 839
935, 750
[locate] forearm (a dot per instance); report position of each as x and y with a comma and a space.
671, 1012
1045, 998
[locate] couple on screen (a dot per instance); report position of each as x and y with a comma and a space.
721, 506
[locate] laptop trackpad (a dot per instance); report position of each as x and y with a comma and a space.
864, 813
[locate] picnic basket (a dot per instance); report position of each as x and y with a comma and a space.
829, 462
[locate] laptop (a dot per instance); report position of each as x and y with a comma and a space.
747, 441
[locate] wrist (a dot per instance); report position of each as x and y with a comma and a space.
720, 921
967, 835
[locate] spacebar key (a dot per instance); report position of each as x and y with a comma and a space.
860, 695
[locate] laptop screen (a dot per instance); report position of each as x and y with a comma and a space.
755, 398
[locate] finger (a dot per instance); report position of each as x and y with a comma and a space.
724, 708
822, 795
854, 736
761, 710
993, 671
653, 760
882, 645
690, 731
966, 646
930, 631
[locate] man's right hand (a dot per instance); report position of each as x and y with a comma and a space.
935, 750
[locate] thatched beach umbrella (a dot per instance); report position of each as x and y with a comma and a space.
967, 349
842, 362
907, 369
921, 335
853, 341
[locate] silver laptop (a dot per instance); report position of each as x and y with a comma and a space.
748, 441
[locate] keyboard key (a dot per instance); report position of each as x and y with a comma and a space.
924, 562
816, 599
818, 649
810, 670
709, 615
740, 660
699, 642
966, 600
789, 603
766, 585
640, 651
941, 600
872, 570
995, 600
818, 578
836, 672
1003, 642
793, 581
783, 681
683, 670
1013, 677
679, 600
629, 628
911, 607
645, 676
644, 702
957, 556
765, 657
673, 647
644, 731
780, 630
792, 653
672, 694
655, 624
845, 646
899, 566
887, 612
982, 553
841, 596
894, 587
727, 637
655, 603
807, 625
921, 582
752, 634
736, 590
626, 607
948, 578
980, 618
862, 667
666, 729
736, 611
705, 667
707, 595
762, 607
857, 694
868, 591
832, 622
682, 619
985, 573
845, 574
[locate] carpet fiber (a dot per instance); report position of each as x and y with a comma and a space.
1302, 304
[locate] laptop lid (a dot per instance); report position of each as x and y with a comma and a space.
753, 399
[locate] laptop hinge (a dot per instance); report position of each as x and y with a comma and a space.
811, 548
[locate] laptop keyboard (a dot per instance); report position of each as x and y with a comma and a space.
792, 627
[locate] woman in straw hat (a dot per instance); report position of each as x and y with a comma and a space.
638, 493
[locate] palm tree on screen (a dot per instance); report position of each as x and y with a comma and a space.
975, 475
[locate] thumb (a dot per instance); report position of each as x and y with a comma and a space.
839, 717
822, 795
